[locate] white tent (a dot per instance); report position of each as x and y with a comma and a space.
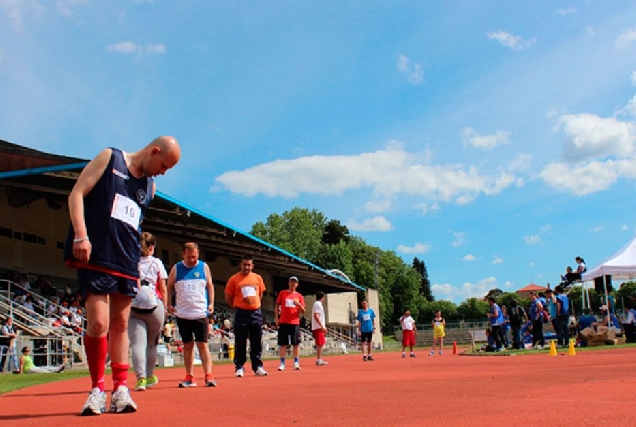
621, 265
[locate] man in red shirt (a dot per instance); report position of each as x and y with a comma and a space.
289, 306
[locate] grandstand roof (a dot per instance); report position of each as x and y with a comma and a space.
31, 174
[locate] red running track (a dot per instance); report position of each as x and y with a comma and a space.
590, 388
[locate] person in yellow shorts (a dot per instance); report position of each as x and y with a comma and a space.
438, 332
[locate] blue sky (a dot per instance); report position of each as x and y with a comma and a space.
494, 140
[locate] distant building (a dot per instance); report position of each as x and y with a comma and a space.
525, 291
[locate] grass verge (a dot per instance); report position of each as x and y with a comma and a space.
10, 382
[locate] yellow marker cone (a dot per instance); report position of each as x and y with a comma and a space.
572, 350
553, 351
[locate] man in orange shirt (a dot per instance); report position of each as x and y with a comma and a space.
289, 306
244, 292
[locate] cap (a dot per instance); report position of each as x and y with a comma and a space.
294, 278
603, 307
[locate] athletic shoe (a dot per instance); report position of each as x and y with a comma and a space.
296, 366
441, 352
321, 362
281, 367
260, 372
239, 373
121, 402
431, 353
141, 384
403, 355
152, 381
370, 358
188, 382
95, 404
364, 358
209, 381
61, 368
412, 355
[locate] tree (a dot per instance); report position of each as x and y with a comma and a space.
335, 232
425, 284
473, 309
626, 294
298, 231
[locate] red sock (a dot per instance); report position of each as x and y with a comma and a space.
96, 350
120, 374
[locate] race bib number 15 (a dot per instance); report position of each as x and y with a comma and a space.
126, 210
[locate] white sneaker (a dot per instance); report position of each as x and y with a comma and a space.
281, 367
431, 353
121, 402
321, 362
297, 366
239, 373
260, 372
95, 404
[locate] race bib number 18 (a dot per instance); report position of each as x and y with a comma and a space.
126, 210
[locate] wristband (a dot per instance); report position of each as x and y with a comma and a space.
80, 240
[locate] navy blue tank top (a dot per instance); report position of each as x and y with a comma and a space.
113, 212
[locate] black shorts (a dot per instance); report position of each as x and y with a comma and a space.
288, 334
366, 337
190, 327
98, 282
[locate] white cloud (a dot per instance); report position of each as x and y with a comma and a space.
485, 142
521, 163
418, 248
511, 41
544, 229
65, 7
497, 260
564, 12
633, 78
457, 294
532, 240
597, 229
378, 205
388, 172
625, 227
626, 38
469, 257
589, 135
583, 180
427, 208
128, 47
411, 70
18, 10
378, 223
459, 239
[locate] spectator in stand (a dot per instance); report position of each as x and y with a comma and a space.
191, 280
77, 321
516, 317
28, 367
409, 330
290, 305
536, 316
29, 307
244, 292
366, 328
24, 285
319, 327
495, 316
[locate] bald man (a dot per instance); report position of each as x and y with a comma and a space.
106, 207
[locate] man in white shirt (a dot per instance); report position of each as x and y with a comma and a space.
318, 327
